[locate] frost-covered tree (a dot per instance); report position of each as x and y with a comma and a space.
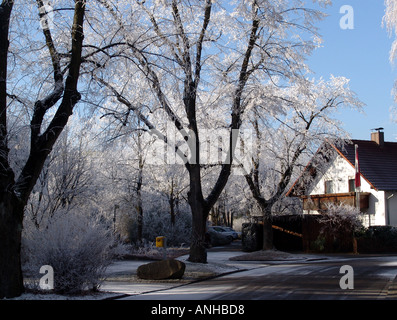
390, 21
124, 173
67, 179
304, 117
195, 64
39, 71
171, 183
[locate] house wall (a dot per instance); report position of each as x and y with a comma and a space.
377, 209
391, 200
340, 172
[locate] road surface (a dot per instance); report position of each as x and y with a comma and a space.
370, 278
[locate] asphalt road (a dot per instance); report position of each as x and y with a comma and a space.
369, 278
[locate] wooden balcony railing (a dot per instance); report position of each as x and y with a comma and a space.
318, 202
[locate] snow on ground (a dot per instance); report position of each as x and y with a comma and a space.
268, 255
51, 296
121, 275
121, 279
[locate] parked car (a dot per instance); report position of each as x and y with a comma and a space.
218, 237
226, 230
235, 234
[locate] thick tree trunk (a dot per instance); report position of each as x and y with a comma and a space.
266, 208
14, 194
267, 232
198, 252
11, 278
11, 212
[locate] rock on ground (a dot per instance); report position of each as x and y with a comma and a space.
160, 270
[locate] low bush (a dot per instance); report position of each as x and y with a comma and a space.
339, 218
77, 248
332, 230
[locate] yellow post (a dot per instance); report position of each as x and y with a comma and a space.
160, 242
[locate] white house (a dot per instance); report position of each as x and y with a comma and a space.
335, 181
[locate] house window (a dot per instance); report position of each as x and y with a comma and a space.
329, 187
352, 187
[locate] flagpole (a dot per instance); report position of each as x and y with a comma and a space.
357, 180
357, 189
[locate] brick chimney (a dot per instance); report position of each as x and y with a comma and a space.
378, 136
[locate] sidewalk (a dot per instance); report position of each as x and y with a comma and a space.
122, 280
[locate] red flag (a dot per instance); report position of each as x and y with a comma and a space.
357, 180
